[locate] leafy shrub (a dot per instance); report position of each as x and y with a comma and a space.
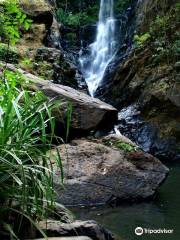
12, 20
91, 15
67, 18
43, 69
142, 39
163, 37
121, 5
26, 178
165, 32
79, 18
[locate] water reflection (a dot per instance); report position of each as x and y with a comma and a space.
163, 212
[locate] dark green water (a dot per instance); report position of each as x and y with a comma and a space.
163, 212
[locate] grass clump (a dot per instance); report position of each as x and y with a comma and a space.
26, 177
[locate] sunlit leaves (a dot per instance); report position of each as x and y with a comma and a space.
13, 21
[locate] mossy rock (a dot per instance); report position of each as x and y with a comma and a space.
120, 142
124, 146
8, 54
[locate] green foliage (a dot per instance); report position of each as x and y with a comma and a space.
84, 12
125, 146
91, 15
26, 177
163, 38
71, 37
26, 61
67, 18
74, 19
165, 32
79, 18
39, 67
12, 20
140, 40
43, 69
120, 5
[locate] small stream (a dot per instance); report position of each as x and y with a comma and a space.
163, 212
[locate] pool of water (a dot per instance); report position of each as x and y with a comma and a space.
163, 212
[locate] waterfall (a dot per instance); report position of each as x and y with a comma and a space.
102, 50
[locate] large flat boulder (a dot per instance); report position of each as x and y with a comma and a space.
87, 112
107, 171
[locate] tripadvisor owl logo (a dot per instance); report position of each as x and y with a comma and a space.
139, 231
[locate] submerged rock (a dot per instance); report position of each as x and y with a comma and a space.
106, 171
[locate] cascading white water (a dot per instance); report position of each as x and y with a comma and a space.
102, 50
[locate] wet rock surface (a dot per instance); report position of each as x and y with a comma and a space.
156, 91
64, 71
154, 85
147, 135
107, 172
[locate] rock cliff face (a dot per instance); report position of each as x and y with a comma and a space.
43, 26
149, 76
148, 9
40, 47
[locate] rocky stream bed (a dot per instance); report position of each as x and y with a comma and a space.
117, 138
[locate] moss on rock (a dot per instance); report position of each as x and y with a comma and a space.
8, 54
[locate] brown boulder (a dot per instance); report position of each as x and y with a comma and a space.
87, 112
97, 174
